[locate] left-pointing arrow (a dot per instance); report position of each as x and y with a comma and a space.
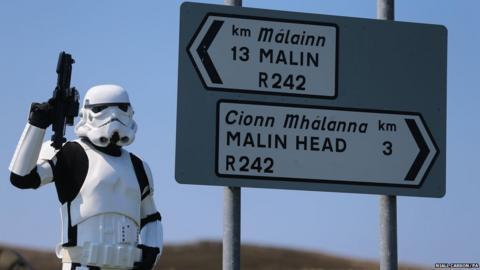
202, 51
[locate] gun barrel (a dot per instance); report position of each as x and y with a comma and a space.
64, 70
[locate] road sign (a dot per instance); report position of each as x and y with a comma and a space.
370, 119
246, 53
261, 140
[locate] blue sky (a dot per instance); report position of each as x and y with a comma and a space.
135, 44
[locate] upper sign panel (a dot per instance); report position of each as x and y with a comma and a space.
264, 55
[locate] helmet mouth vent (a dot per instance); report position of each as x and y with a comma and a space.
115, 138
103, 140
124, 139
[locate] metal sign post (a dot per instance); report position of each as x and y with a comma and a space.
231, 214
388, 204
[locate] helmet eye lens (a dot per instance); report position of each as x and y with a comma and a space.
123, 107
99, 108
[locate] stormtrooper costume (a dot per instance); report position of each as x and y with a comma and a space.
109, 218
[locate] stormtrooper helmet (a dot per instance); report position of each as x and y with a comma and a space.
107, 117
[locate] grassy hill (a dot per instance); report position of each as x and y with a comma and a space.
207, 255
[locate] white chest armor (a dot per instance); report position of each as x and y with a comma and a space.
106, 212
110, 186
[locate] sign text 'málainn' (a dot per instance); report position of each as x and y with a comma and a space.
286, 37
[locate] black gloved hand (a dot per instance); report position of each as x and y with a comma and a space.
41, 114
149, 255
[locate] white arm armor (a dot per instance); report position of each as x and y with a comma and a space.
26, 156
151, 233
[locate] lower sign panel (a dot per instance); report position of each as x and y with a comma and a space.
320, 144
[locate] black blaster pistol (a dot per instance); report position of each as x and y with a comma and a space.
64, 101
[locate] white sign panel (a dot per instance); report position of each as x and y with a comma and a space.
263, 140
252, 54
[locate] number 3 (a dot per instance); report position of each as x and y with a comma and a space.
388, 148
